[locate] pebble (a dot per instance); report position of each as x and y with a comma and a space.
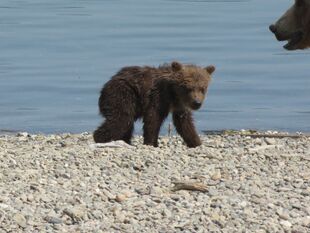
65, 183
120, 198
270, 141
283, 214
119, 216
53, 220
286, 224
20, 220
305, 221
76, 213
216, 175
22, 134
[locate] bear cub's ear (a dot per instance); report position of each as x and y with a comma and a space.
176, 66
210, 69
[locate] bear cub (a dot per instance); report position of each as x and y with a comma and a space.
151, 93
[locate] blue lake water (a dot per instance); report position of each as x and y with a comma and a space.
56, 55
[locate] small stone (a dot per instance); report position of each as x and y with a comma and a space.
257, 141
270, 141
305, 221
297, 205
261, 231
165, 141
66, 175
20, 220
97, 214
143, 190
213, 192
4, 206
175, 197
156, 191
30, 198
218, 219
215, 217
33, 223
119, 216
108, 194
166, 213
120, 198
283, 214
297, 229
128, 193
305, 175
76, 213
53, 220
286, 224
216, 175
243, 204
23, 197
45, 198
22, 134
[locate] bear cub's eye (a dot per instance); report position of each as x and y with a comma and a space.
188, 90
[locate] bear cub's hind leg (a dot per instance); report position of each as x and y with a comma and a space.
114, 129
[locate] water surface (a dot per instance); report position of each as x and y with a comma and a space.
56, 55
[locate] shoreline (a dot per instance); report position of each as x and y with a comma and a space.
167, 134
66, 183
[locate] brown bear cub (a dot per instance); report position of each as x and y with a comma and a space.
151, 93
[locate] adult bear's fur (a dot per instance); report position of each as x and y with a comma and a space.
151, 93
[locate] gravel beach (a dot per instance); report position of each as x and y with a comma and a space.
66, 183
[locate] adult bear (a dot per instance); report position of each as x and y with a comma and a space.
294, 26
151, 93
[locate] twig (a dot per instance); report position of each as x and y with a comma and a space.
169, 129
187, 185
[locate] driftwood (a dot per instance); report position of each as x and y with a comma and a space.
188, 185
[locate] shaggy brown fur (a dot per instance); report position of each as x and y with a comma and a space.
151, 93
294, 26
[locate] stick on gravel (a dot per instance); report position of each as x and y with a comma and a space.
187, 185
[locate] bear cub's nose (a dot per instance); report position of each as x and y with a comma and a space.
196, 104
272, 28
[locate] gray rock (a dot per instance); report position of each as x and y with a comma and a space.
270, 141
20, 220
76, 213
283, 214
286, 224
53, 220
305, 221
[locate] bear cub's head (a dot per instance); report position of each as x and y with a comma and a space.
190, 85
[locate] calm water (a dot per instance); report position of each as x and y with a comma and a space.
55, 56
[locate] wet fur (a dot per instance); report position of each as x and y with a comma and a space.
151, 93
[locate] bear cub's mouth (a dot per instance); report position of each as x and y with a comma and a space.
293, 40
